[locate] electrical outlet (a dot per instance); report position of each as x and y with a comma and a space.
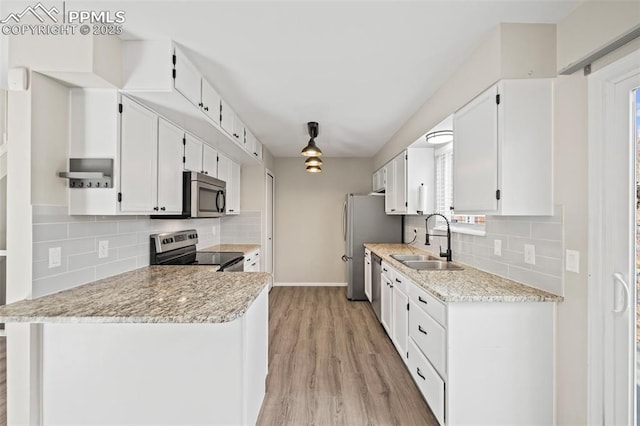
572, 261
497, 247
530, 254
103, 249
55, 257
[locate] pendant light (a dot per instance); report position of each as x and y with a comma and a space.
314, 169
313, 161
312, 150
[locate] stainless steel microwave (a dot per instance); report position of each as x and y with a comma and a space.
202, 196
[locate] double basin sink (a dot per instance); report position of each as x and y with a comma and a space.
425, 262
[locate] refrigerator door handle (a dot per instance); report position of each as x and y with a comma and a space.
344, 221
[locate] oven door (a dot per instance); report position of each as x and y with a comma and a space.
208, 199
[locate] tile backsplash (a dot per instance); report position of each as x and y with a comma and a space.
544, 232
78, 238
243, 228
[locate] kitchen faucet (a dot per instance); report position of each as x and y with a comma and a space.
447, 253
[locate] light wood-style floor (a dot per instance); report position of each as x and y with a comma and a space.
331, 363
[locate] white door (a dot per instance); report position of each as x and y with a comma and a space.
612, 254
138, 158
268, 253
210, 102
400, 321
475, 154
209, 161
187, 78
169, 167
192, 154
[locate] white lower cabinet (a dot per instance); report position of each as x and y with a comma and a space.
252, 261
367, 274
474, 362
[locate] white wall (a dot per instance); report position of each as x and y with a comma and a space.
308, 226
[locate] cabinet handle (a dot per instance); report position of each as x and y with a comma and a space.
398, 281
422, 330
420, 374
422, 300
200, 104
163, 208
206, 108
393, 210
384, 270
253, 264
231, 210
155, 208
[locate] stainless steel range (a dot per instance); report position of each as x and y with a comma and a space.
179, 248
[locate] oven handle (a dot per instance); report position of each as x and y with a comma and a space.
230, 263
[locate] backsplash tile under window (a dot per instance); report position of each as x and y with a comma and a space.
544, 232
78, 237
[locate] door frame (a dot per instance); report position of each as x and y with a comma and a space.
601, 111
268, 173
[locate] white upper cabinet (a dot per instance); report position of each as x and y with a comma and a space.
379, 180
502, 150
227, 118
402, 177
139, 158
187, 78
238, 130
229, 171
170, 147
200, 157
210, 102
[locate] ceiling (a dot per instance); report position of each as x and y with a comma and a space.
359, 68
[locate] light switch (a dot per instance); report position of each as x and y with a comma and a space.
55, 257
530, 254
497, 247
572, 261
103, 249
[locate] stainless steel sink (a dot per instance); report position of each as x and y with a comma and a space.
413, 257
432, 265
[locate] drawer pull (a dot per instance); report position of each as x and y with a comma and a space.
422, 330
420, 374
422, 300
398, 281
384, 270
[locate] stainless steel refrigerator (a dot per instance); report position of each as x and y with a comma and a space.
364, 221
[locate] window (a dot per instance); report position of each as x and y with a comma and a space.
471, 224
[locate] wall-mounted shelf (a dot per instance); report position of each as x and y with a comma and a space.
89, 173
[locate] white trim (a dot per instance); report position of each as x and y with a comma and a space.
600, 117
309, 284
3, 253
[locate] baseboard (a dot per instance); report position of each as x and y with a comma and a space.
309, 284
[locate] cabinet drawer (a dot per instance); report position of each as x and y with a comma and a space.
430, 384
399, 280
430, 304
429, 336
387, 271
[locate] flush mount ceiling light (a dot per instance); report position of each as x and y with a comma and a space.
313, 161
311, 150
439, 137
314, 169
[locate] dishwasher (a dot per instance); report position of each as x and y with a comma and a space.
376, 283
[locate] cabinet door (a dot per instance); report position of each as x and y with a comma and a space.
169, 168
400, 183
233, 190
138, 158
400, 321
238, 131
475, 155
389, 193
227, 117
187, 78
257, 149
367, 274
209, 160
210, 102
193, 154
386, 305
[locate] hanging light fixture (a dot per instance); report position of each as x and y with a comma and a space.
314, 169
312, 150
439, 137
313, 161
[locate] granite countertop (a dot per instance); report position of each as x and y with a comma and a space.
468, 285
243, 248
153, 294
